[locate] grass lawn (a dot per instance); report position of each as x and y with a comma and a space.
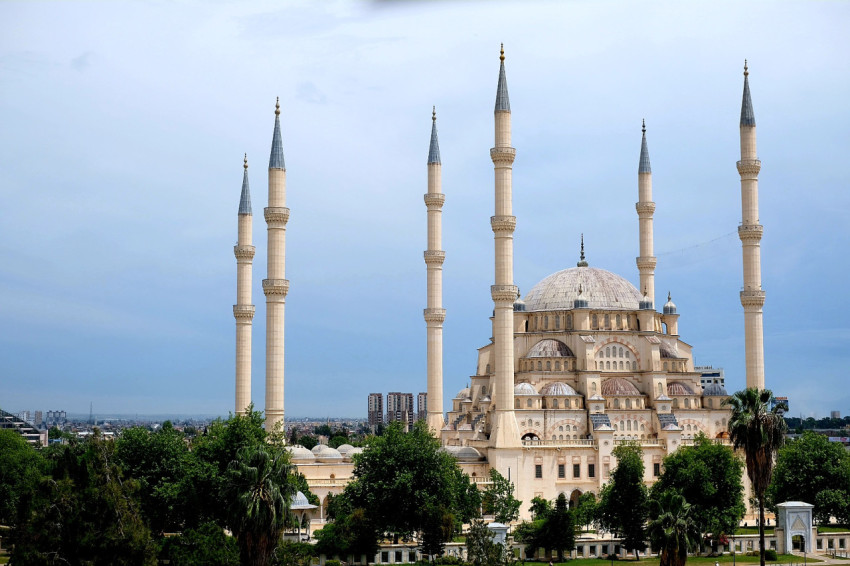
700, 560
753, 531
833, 529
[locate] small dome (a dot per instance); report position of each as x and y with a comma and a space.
558, 389
344, 449
298, 452
463, 394
300, 502
617, 386
714, 390
327, 454
353, 451
669, 306
519, 305
679, 388
468, 454
524, 389
550, 348
318, 448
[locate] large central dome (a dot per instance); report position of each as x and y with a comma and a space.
601, 289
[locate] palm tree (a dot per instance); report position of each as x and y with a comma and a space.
671, 528
760, 432
259, 494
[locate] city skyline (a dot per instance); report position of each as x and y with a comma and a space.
121, 169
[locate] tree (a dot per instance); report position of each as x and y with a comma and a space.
623, 500
498, 499
672, 529
558, 529
20, 471
708, 476
402, 481
759, 432
812, 468
259, 492
585, 509
539, 507
481, 550
207, 544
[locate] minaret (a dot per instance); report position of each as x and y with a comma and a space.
504, 430
645, 209
435, 314
276, 286
750, 232
243, 310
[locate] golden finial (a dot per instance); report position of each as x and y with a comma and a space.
277, 107
502, 53
245, 161
434, 113
643, 125
746, 70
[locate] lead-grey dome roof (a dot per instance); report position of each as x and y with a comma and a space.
600, 288
524, 388
557, 389
714, 390
550, 348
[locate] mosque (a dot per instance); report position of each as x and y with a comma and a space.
582, 363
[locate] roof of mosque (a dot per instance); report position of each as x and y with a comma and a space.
558, 389
679, 388
550, 348
463, 394
600, 288
524, 389
615, 386
714, 390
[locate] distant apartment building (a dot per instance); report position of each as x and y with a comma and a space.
710, 375
39, 419
835, 414
56, 418
422, 407
376, 409
400, 408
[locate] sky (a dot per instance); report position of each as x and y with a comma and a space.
123, 131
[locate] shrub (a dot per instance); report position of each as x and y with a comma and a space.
332, 563
770, 554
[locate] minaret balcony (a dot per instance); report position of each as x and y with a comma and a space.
276, 215
243, 312
504, 293
502, 155
243, 252
434, 315
434, 199
752, 297
749, 168
750, 232
503, 223
645, 208
275, 287
646, 263
435, 257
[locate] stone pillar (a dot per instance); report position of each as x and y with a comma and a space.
276, 286
750, 231
645, 209
243, 310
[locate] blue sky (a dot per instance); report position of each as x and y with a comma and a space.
121, 146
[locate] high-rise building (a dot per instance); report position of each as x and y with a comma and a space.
400, 408
376, 409
56, 418
709, 375
422, 407
39, 419
835, 414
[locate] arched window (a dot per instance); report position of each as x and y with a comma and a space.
561, 428
540, 366
628, 354
593, 391
575, 428
619, 322
634, 366
687, 403
488, 369
554, 403
642, 428
594, 321
628, 425
616, 403
665, 366
546, 322
557, 322
621, 365
607, 365
528, 403
660, 390
516, 403
628, 403
557, 366
560, 437
607, 352
621, 352
569, 322
548, 366
607, 322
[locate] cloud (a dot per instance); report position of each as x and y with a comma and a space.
82, 62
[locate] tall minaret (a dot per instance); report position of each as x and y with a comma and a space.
243, 310
276, 286
645, 209
435, 314
504, 430
750, 232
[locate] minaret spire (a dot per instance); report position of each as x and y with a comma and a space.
750, 231
434, 313
645, 210
504, 428
276, 286
243, 310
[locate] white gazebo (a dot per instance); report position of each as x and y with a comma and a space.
793, 518
301, 506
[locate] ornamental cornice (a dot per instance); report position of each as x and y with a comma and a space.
750, 232
243, 252
645, 208
276, 215
502, 155
646, 263
749, 168
752, 297
434, 315
434, 257
503, 223
275, 287
243, 312
434, 199
504, 293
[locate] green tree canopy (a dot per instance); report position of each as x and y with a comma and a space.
21, 466
558, 529
498, 499
813, 469
708, 476
672, 529
623, 500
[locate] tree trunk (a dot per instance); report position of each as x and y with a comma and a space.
761, 530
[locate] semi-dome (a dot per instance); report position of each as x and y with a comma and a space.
524, 389
715, 390
617, 386
557, 389
679, 388
550, 348
600, 288
463, 394
468, 454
